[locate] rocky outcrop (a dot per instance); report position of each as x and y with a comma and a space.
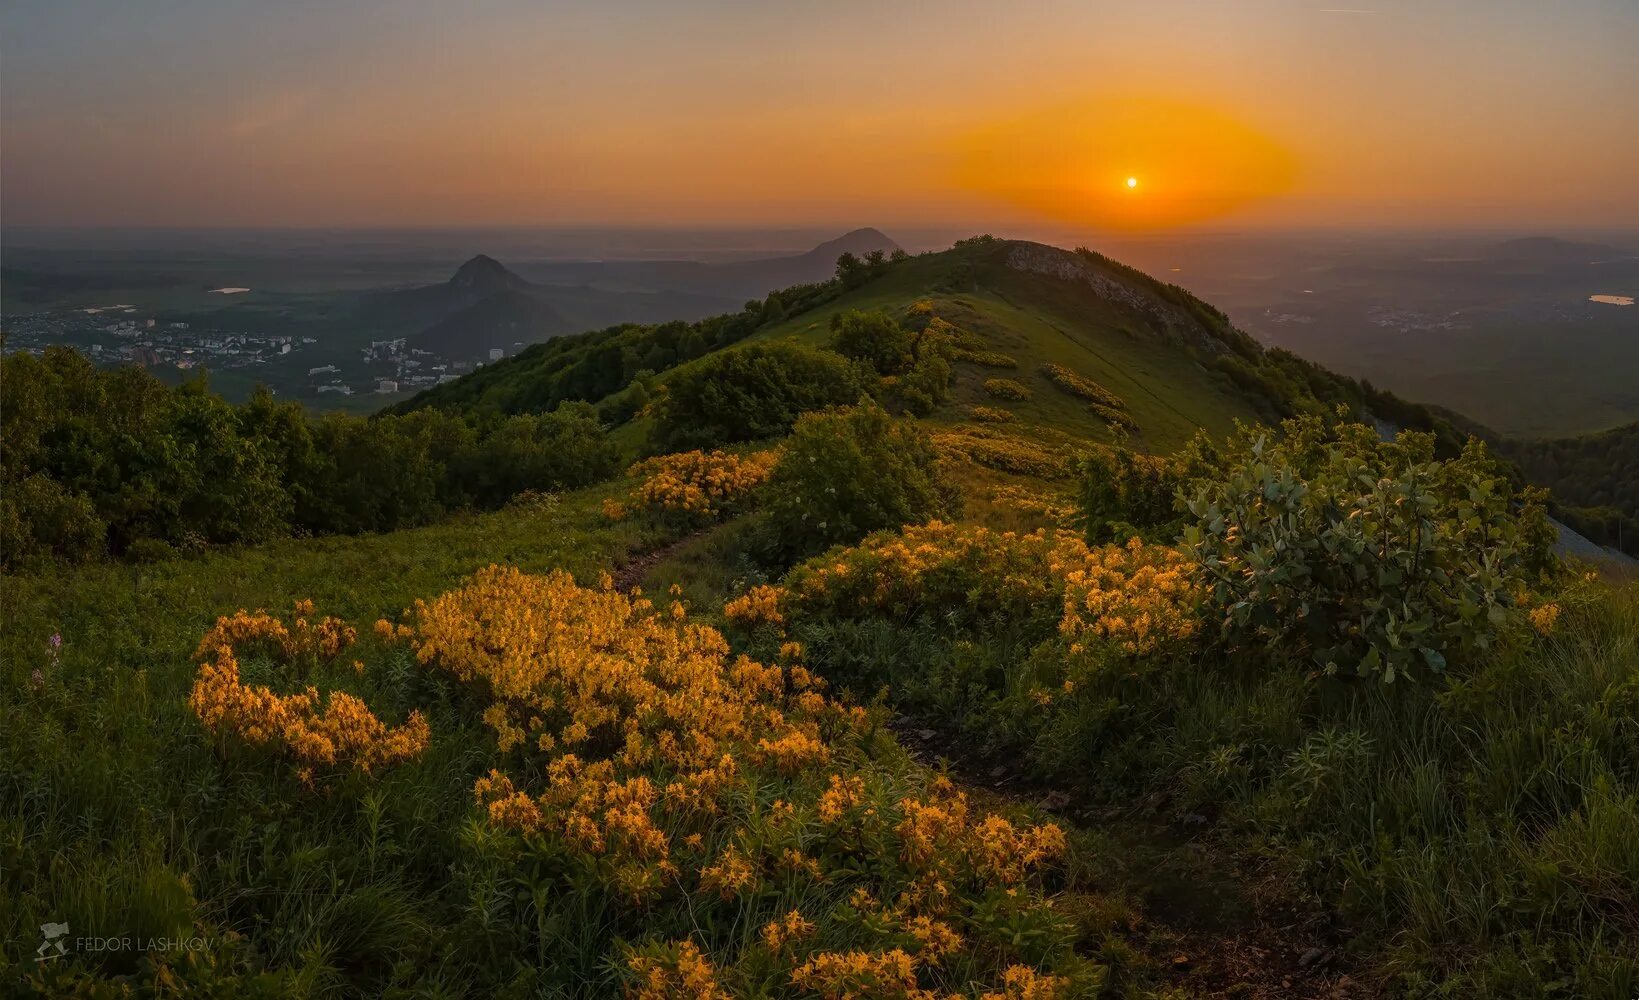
1168, 320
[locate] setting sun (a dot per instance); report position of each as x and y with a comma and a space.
1132, 182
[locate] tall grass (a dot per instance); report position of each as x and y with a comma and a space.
1480, 831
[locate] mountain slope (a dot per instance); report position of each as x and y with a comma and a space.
485, 305
1174, 363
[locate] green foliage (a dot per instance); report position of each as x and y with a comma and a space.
39, 520
106, 459
564, 448
598, 364
751, 392
1124, 493
925, 386
854, 271
874, 338
1596, 479
846, 473
1361, 556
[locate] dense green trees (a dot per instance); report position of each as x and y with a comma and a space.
599, 364
1596, 479
98, 461
752, 392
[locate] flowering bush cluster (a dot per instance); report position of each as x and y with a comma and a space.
1143, 598
700, 484
1112, 409
991, 415
336, 729
988, 359
1007, 388
706, 791
1134, 599
1080, 385
994, 450
1055, 509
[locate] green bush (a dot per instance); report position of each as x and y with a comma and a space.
751, 392
1123, 493
564, 449
847, 473
1362, 556
872, 337
925, 386
39, 519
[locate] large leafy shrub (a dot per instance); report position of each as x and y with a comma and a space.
1360, 555
1123, 493
872, 337
751, 392
39, 519
847, 473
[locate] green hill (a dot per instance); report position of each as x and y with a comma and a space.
1595, 479
1175, 363
902, 685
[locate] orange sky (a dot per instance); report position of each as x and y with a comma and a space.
1252, 113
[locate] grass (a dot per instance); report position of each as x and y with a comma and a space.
1475, 834
115, 815
1036, 321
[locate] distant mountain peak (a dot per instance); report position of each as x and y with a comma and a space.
858, 241
484, 273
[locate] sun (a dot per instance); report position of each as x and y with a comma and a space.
1132, 182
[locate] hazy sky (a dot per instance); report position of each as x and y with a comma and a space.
1499, 113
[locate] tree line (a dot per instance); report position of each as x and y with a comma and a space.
114, 462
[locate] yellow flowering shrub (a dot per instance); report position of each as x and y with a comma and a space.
334, 729
673, 972
1056, 509
758, 606
1005, 453
956, 570
699, 483
1544, 618
1141, 597
786, 930
1007, 388
988, 359
1136, 598
1024, 983
990, 414
676, 778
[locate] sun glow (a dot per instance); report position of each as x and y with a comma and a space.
1070, 163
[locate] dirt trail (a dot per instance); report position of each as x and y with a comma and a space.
1216, 928
632, 572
